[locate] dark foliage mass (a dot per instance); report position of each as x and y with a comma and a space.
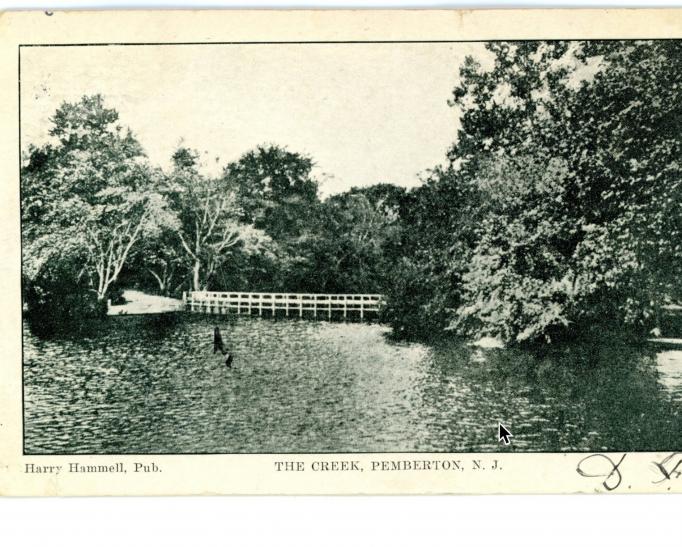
556, 209
563, 192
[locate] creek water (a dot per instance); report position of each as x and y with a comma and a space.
151, 384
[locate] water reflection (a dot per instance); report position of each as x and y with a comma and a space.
153, 385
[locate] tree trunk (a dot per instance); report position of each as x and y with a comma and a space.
196, 285
160, 279
103, 286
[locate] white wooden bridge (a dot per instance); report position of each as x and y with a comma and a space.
350, 305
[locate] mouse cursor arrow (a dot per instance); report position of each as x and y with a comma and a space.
503, 434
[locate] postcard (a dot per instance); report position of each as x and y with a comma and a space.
341, 252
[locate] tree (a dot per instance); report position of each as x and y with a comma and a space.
275, 189
349, 255
519, 285
210, 225
277, 193
566, 176
90, 193
610, 115
630, 167
438, 231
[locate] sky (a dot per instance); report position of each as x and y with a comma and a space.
365, 113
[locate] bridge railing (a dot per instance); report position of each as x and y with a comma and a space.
288, 303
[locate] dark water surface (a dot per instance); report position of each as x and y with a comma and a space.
152, 385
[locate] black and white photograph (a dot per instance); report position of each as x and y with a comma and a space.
322, 247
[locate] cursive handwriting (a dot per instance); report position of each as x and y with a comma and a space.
602, 466
669, 473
